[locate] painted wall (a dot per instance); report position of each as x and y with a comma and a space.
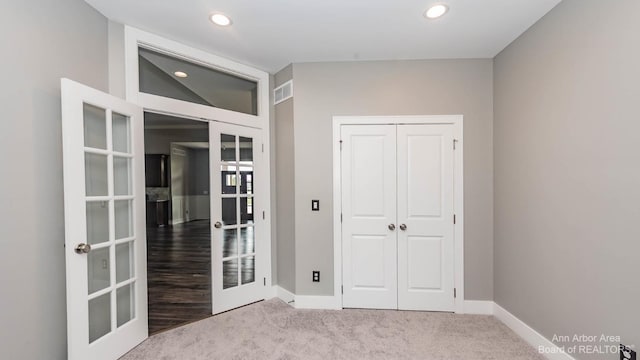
567, 149
44, 41
285, 187
424, 87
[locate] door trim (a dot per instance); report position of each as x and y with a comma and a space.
458, 190
133, 38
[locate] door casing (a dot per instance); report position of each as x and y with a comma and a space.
457, 122
135, 38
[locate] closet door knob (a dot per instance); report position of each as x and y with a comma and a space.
392, 227
403, 227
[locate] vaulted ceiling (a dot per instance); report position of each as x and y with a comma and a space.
270, 34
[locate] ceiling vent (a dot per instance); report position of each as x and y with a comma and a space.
283, 92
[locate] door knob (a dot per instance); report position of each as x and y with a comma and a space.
392, 227
403, 227
217, 225
83, 248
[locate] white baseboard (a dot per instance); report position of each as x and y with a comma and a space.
285, 295
531, 336
316, 302
478, 307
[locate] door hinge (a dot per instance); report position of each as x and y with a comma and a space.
454, 293
265, 281
455, 141
454, 219
342, 289
263, 215
340, 145
340, 217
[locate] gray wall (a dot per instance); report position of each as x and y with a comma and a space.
567, 194
322, 90
43, 41
285, 187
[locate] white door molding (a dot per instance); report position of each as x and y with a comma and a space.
135, 38
458, 189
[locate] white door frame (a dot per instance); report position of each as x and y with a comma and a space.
458, 189
134, 38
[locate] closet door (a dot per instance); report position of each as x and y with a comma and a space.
369, 216
425, 217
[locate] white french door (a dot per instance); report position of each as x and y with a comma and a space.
398, 206
104, 202
239, 246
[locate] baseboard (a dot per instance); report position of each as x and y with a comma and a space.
316, 302
285, 295
478, 307
534, 338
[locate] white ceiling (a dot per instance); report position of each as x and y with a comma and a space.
270, 34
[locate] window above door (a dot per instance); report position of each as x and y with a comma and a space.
169, 77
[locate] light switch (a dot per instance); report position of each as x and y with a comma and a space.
315, 205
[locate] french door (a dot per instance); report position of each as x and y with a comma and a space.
104, 202
397, 203
239, 248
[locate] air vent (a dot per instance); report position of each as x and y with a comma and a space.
283, 92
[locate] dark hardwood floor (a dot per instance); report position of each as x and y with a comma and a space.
179, 274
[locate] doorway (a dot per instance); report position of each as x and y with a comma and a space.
178, 220
398, 199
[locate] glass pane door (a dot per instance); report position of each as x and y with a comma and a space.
103, 158
236, 155
111, 235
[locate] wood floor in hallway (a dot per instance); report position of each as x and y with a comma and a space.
179, 274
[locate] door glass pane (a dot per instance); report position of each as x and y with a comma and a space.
246, 180
248, 269
95, 174
229, 242
95, 127
120, 134
229, 216
98, 269
97, 222
164, 75
229, 179
124, 261
247, 240
121, 177
99, 317
228, 148
125, 304
123, 222
246, 149
246, 210
230, 273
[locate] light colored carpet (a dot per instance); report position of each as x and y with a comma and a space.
274, 330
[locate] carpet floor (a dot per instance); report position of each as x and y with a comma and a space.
274, 330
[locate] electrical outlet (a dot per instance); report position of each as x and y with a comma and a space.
626, 353
316, 277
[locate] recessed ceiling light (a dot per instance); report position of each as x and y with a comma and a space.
436, 11
220, 19
180, 74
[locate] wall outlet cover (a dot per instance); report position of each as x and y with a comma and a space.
316, 276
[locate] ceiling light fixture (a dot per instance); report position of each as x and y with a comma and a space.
436, 11
220, 19
180, 74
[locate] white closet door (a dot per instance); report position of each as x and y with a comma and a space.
425, 217
369, 216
